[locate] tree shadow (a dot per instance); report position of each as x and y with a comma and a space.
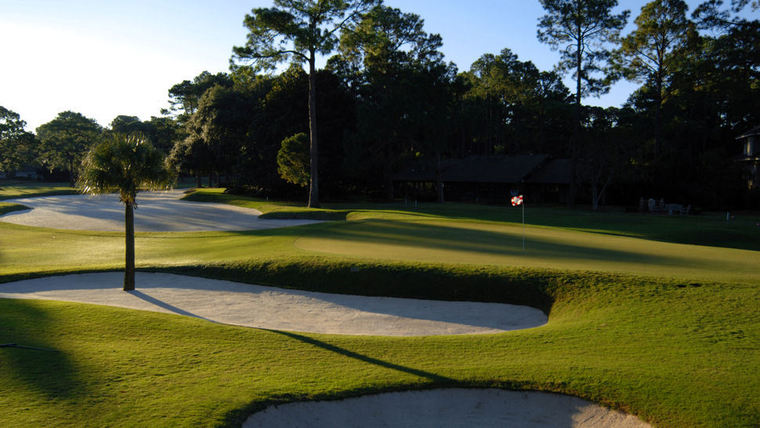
364, 358
38, 362
161, 304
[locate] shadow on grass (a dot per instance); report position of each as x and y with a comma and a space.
364, 358
696, 230
49, 371
415, 281
297, 214
6, 207
678, 229
500, 243
236, 417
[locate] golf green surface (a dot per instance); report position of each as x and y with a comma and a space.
654, 316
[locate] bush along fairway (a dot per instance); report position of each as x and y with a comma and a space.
638, 323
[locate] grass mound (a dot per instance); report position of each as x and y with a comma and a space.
269, 209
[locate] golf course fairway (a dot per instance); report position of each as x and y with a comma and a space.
662, 325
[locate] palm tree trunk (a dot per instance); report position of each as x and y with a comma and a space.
129, 268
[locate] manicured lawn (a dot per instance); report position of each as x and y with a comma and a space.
10, 189
639, 317
710, 229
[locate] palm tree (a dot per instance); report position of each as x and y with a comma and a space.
124, 163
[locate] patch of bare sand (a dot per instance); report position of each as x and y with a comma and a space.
280, 309
446, 408
157, 212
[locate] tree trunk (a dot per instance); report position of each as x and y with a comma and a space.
129, 268
438, 177
658, 117
198, 183
313, 146
71, 173
597, 193
575, 139
388, 178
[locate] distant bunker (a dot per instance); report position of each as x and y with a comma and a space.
156, 212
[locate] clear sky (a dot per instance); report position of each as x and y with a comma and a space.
103, 58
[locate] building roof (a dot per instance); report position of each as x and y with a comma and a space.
416, 171
554, 171
490, 169
750, 133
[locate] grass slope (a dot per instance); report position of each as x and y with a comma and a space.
666, 330
11, 189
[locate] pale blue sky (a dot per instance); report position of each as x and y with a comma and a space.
103, 58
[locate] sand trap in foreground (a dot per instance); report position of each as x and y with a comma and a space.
279, 309
446, 408
157, 212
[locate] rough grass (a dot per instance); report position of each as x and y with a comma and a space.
639, 318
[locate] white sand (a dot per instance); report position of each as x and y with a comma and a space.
279, 309
156, 212
446, 408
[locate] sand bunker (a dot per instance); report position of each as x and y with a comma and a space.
446, 408
157, 212
279, 309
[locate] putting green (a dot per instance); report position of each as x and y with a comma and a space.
545, 247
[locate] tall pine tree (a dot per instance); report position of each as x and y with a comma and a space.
583, 32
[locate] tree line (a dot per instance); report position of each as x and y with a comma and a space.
387, 97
